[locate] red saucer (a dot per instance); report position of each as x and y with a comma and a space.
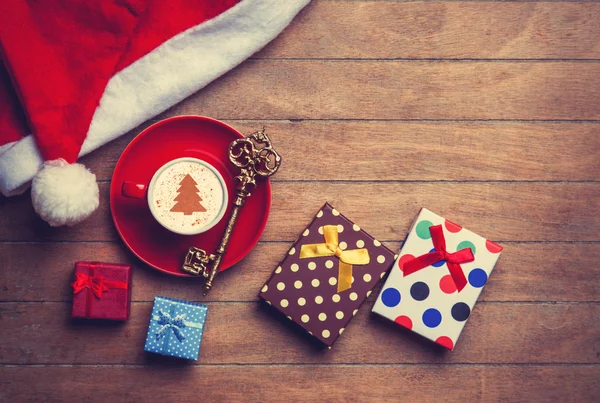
183, 136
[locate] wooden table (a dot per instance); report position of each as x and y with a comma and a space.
487, 113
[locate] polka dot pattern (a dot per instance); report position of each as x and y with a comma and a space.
493, 247
466, 244
419, 291
460, 311
447, 284
169, 344
404, 321
309, 285
451, 227
422, 229
390, 297
432, 317
427, 301
445, 341
403, 259
477, 278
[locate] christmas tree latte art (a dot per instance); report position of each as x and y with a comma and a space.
188, 200
187, 197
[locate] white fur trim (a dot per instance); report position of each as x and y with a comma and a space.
6, 146
64, 194
167, 75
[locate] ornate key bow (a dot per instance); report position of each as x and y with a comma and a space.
94, 283
331, 248
176, 324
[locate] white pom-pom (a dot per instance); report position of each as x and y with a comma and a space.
63, 193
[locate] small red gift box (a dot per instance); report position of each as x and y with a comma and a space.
101, 291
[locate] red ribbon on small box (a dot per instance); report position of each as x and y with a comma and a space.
453, 260
96, 284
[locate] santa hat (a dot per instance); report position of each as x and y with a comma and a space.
77, 74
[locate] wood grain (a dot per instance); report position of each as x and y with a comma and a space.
498, 211
441, 30
247, 333
284, 89
309, 383
484, 112
407, 151
525, 272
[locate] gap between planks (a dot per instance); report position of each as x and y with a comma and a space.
246, 302
409, 60
345, 365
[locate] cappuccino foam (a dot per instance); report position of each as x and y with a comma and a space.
186, 197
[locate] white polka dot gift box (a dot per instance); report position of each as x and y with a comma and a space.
437, 278
176, 328
326, 275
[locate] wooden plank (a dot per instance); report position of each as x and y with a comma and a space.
499, 211
302, 383
284, 89
246, 333
381, 151
525, 272
441, 30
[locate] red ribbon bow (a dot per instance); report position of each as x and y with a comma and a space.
95, 283
453, 260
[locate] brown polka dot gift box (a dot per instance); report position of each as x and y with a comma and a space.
326, 275
437, 278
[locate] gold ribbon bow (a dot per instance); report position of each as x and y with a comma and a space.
331, 248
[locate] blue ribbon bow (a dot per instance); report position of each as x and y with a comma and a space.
176, 324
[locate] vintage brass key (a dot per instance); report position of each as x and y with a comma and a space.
255, 156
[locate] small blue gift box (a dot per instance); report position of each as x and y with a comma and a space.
176, 328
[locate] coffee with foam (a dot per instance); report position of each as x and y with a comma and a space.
187, 196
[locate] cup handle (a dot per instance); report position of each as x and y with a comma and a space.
134, 190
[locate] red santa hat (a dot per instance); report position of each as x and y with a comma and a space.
77, 74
